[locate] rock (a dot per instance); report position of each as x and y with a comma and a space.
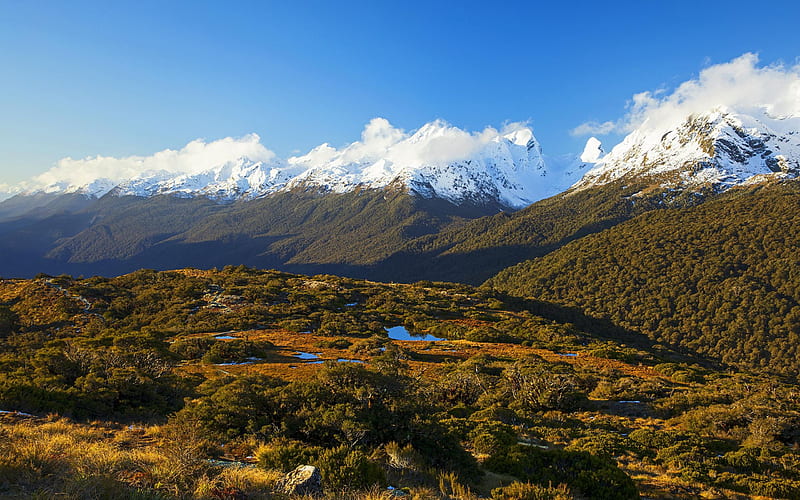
304, 480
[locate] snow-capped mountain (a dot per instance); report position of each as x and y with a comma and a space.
507, 168
718, 148
436, 161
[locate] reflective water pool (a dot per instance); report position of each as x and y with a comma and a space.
401, 333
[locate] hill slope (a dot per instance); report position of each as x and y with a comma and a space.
386, 234
720, 279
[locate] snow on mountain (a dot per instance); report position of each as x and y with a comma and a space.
240, 178
719, 148
592, 151
7, 191
438, 160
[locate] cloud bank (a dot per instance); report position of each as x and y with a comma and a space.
382, 145
195, 157
435, 143
739, 85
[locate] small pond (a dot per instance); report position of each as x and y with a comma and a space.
340, 360
305, 355
401, 333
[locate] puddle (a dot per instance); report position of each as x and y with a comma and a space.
234, 364
305, 355
225, 337
14, 412
568, 354
351, 304
342, 360
400, 333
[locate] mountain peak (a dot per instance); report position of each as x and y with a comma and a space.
717, 147
592, 151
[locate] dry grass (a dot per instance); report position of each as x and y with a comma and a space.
281, 363
64, 459
249, 481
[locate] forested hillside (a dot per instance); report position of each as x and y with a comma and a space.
385, 235
721, 279
474, 252
351, 234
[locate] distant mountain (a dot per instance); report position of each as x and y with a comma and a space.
503, 169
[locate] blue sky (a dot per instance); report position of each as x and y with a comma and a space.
131, 78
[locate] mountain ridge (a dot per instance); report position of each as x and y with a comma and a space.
441, 223
438, 160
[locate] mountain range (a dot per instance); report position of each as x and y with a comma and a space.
437, 161
391, 207
685, 234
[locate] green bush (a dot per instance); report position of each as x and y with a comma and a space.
489, 437
286, 454
8, 320
236, 351
604, 444
343, 468
587, 474
340, 343
193, 347
653, 440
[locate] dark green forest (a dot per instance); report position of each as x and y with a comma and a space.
720, 279
384, 235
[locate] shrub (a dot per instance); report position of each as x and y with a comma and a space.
236, 351
192, 348
372, 346
588, 474
339, 343
604, 444
491, 437
346, 469
8, 320
653, 439
528, 491
286, 454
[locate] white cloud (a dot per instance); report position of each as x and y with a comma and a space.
7, 191
434, 143
740, 85
593, 127
195, 157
